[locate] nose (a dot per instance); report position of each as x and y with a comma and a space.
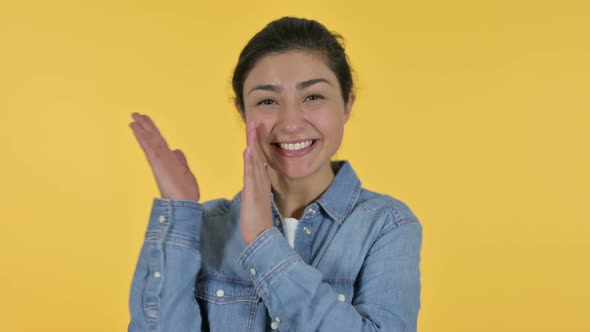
291, 118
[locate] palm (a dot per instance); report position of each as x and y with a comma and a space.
170, 168
255, 209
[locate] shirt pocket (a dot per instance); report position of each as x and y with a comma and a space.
228, 302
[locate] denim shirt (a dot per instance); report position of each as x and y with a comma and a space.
354, 267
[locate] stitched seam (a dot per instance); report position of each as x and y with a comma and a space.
270, 277
352, 201
226, 278
392, 226
266, 235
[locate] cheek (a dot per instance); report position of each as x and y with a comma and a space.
263, 123
264, 127
336, 135
263, 132
331, 127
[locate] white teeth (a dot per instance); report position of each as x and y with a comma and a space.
296, 146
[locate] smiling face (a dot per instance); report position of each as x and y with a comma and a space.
295, 100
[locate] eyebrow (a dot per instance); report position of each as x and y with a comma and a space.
300, 85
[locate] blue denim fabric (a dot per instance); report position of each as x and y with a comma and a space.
355, 266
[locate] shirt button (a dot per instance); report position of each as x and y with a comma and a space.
157, 274
341, 297
311, 211
162, 219
274, 325
277, 222
220, 293
252, 271
307, 230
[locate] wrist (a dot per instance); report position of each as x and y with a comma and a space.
248, 239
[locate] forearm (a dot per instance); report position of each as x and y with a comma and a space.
162, 290
295, 293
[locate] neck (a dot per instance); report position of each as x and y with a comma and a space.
293, 195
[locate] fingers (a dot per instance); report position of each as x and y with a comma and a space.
140, 121
140, 134
248, 162
254, 160
251, 144
145, 122
145, 129
258, 148
259, 160
251, 138
181, 157
151, 141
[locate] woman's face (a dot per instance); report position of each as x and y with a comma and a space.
295, 101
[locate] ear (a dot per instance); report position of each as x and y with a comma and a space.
348, 106
242, 114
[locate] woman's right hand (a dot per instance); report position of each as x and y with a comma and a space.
175, 179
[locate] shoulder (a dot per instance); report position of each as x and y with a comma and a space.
390, 210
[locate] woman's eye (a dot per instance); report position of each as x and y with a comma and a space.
315, 97
265, 102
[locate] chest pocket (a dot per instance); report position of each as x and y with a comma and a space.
222, 289
227, 303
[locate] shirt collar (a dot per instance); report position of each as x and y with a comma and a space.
342, 193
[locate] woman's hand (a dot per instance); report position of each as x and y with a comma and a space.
175, 179
255, 211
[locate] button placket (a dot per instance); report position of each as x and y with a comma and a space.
274, 325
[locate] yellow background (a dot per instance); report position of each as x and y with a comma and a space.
474, 113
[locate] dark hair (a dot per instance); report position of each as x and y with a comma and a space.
291, 34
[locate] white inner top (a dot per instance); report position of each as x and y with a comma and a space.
290, 227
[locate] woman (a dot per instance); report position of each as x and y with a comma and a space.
303, 247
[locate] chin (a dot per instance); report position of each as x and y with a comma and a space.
294, 172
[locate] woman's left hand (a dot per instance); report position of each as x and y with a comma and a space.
255, 211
